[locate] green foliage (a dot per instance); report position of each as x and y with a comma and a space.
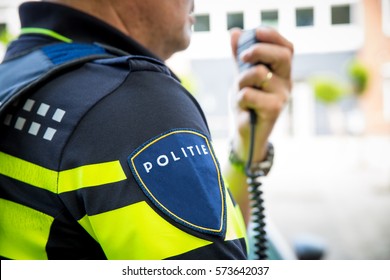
328, 90
5, 37
359, 76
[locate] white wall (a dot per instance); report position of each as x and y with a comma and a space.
9, 14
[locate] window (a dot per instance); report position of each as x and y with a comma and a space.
202, 23
341, 14
386, 16
304, 17
235, 20
386, 91
270, 18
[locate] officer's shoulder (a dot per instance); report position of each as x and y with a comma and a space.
106, 76
135, 63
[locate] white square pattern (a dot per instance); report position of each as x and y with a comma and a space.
33, 127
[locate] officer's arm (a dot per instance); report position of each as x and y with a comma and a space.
155, 189
264, 93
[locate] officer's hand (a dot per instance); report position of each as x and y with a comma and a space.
263, 90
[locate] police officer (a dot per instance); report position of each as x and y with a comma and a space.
114, 161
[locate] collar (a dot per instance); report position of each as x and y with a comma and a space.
63, 23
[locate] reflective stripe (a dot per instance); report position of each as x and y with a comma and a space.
236, 227
86, 224
90, 176
28, 172
235, 223
140, 233
24, 232
47, 32
69, 180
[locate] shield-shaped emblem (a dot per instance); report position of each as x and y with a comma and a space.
179, 173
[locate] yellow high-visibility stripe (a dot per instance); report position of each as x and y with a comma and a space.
24, 231
86, 224
235, 227
90, 176
44, 31
59, 182
140, 234
28, 172
235, 223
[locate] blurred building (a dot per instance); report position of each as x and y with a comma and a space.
375, 53
327, 35
9, 15
9, 21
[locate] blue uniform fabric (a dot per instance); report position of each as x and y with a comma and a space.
113, 157
22, 73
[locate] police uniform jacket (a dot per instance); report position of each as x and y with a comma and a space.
106, 160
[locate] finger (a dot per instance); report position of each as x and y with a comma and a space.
234, 36
260, 77
270, 35
267, 106
278, 58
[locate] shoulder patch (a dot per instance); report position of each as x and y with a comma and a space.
179, 173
